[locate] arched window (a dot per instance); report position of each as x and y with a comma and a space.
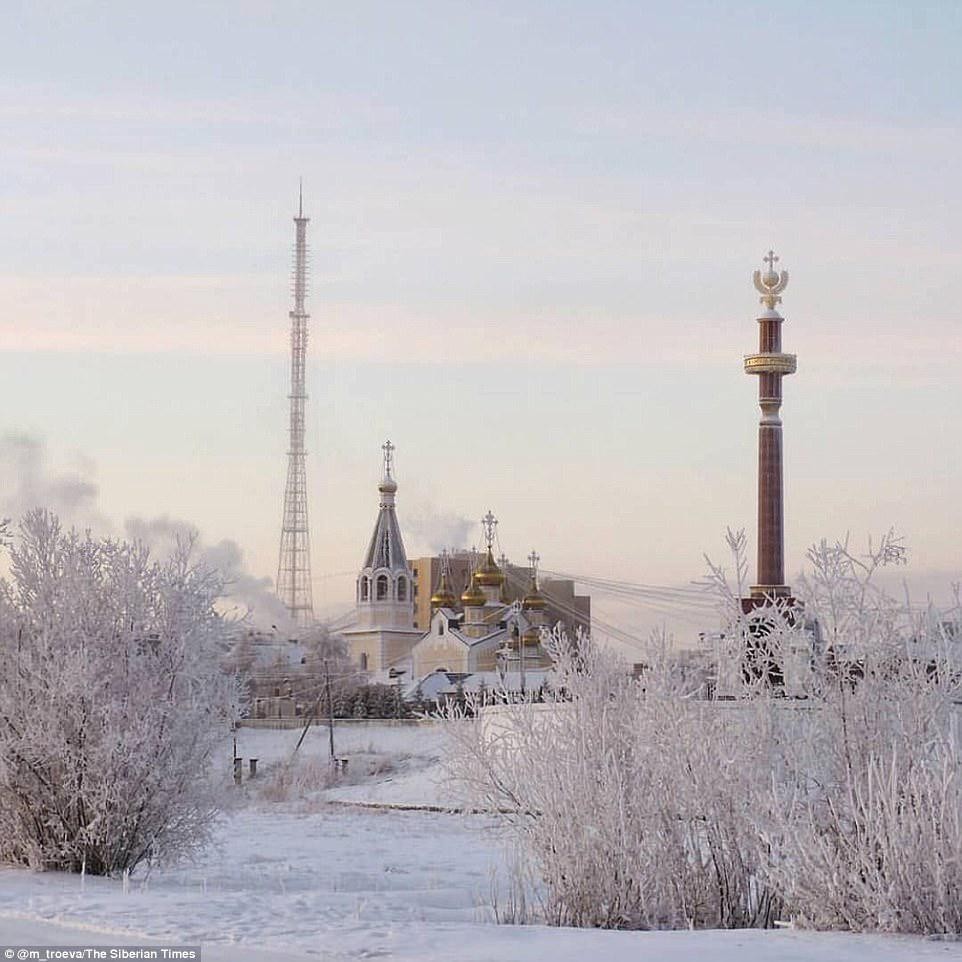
402, 589
363, 661
365, 589
381, 589
440, 627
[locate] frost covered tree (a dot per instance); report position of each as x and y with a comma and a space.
628, 805
113, 702
816, 775
865, 817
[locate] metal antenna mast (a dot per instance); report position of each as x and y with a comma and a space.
294, 564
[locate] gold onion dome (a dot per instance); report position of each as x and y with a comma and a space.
473, 596
489, 574
534, 600
444, 597
532, 636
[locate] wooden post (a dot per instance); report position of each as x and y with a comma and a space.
330, 704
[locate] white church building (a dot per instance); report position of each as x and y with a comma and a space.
478, 632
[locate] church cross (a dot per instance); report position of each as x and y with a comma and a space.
771, 260
388, 450
488, 523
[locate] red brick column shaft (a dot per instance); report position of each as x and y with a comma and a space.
771, 538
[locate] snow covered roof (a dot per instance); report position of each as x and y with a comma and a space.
432, 685
534, 678
496, 623
439, 683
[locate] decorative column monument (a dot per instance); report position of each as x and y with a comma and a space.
771, 365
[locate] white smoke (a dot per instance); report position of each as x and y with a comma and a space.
246, 593
28, 480
436, 530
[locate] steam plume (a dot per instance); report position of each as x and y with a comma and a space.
28, 480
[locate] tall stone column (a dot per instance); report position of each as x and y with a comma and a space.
771, 365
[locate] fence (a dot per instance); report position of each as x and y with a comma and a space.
299, 721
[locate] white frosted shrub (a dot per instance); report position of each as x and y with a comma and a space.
626, 813
866, 826
112, 702
809, 770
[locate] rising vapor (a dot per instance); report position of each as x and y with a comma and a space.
28, 480
246, 592
436, 530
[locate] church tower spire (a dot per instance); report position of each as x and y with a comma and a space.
384, 595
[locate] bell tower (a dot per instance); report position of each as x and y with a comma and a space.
384, 591
384, 633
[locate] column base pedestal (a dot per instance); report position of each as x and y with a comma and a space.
766, 594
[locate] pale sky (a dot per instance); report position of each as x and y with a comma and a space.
533, 231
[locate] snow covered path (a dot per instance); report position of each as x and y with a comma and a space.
342, 884
489, 943
281, 878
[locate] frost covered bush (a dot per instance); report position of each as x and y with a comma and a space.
112, 704
297, 779
808, 768
628, 814
866, 818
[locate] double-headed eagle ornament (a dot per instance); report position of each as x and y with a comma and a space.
771, 283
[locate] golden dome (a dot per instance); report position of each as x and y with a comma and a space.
488, 572
473, 596
444, 597
534, 600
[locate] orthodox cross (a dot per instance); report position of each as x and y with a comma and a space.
488, 524
771, 260
534, 558
388, 450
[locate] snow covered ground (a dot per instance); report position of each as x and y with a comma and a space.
387, 765
304, 878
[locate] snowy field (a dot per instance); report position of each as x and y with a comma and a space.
387, 764
305, 878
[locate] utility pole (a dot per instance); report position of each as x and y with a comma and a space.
330, 705
313, 712
517, 614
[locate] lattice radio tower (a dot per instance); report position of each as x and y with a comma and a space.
294, 564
